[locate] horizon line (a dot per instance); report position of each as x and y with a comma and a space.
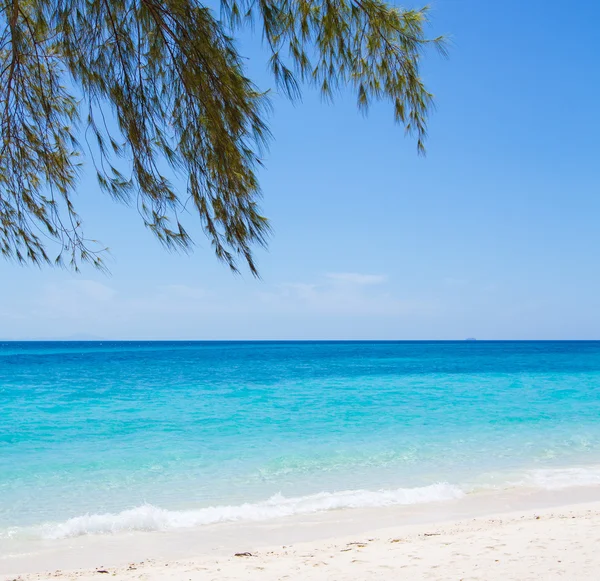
467, 340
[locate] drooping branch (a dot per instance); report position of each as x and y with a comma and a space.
39, 151
178, 128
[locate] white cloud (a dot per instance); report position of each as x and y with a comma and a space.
349, 294
329, 306
183, 291
92, 289
61, 308
182, 300
72, 299
356, 278
73, 306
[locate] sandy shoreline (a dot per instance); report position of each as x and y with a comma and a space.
550, 543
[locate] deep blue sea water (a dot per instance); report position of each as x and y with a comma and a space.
99, 437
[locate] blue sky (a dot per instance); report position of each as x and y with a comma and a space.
493, 235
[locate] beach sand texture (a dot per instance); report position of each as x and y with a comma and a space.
547, 544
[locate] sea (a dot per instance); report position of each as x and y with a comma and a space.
98, 438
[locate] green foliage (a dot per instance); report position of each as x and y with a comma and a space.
169, 73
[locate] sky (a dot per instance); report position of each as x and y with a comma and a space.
493, 235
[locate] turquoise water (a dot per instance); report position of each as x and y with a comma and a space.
99, 437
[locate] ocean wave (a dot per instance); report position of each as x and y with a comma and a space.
148, 517
151, 518
559, 478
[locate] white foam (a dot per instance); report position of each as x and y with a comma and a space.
152, 518
559, 478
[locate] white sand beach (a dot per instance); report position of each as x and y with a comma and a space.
551, 543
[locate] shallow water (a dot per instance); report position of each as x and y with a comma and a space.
102, 437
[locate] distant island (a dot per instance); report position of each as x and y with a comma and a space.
470, 339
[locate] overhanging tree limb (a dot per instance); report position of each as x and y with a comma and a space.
184, 112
